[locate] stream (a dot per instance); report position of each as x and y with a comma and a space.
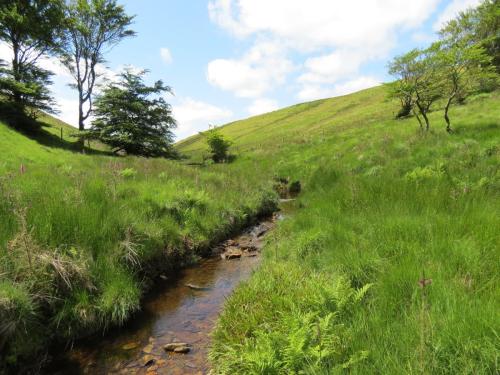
183, 310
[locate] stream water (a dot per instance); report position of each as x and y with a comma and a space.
183, 310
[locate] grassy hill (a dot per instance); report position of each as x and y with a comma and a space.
83, 236
389, 263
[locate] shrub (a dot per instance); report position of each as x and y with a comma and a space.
128, 173
425, 173
219, 146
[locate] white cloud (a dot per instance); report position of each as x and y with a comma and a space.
261, 69
452, 10
313, 92
262, 105
332, 67
320, 23
46, 62
193, 116
166, 55
55, 66
344, 35
68, 110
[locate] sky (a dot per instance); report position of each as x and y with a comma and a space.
231, 59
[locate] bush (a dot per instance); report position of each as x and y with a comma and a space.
425, 173
219, 146
128, 173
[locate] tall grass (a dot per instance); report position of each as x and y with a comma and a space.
388, 263
410, 218
83, 236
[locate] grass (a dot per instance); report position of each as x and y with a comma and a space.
389, 263
83, 236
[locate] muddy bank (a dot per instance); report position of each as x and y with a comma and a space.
183, 311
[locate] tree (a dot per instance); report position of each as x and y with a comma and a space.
93, 27
462, 68
463, 60
402, 89
28, 96
487, 29
32, 29
132, 117
480, 25
218, 145
417, 86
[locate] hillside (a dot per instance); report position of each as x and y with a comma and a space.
389, 262
82, 237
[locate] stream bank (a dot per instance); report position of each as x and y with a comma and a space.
182, 311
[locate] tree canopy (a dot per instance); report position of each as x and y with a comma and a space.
32, 29
134, 118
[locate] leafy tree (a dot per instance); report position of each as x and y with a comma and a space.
32, 29
417, 84
93, 27
480, 25
218, 145
402, 89
463, 65
132, 117
28, 96
427, 90
487, 29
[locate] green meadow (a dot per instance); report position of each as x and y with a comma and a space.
388, 262
83, 236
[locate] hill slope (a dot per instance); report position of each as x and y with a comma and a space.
386, 263
83, 236
389, 262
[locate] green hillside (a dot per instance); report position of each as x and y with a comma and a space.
389, 262
83, 236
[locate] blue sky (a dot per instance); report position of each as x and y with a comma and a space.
230, 59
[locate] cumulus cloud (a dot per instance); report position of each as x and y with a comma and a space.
313, 92
262, 68
262, 105
193, 116
452, 10
320, 23
335, 66
341, 36
166, 55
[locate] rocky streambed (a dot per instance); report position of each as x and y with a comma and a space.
172, 333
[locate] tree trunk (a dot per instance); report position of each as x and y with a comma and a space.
16, 71
423, 112
81, 124
419, 121
427, 124
446, 118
